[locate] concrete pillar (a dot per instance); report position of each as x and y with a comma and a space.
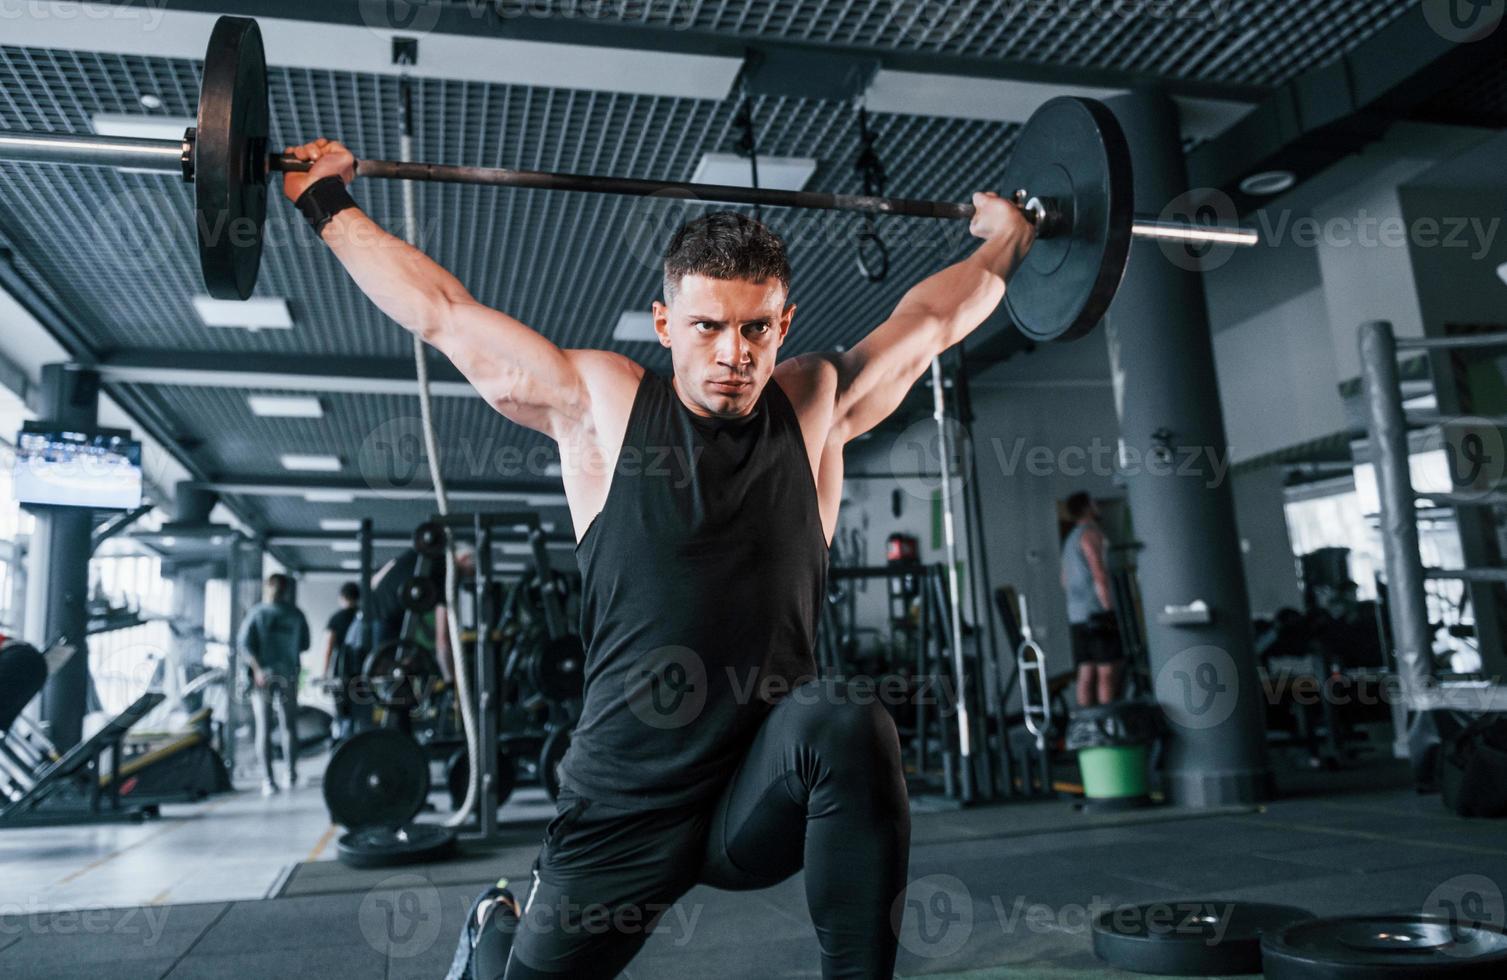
186, 646
58, 562
1173, 454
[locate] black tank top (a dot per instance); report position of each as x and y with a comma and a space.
701, 577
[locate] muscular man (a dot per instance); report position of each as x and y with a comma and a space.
1097, 655
704, 504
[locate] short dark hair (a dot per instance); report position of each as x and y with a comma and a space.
350, 592
1079, 504
278, 588
725, 245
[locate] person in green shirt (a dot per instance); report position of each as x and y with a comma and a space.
273, 635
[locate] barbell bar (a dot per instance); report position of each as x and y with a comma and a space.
1069, 169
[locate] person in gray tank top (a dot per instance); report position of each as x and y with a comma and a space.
1097, 655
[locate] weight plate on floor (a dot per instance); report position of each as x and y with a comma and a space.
458, 777
386, 847
1073, 152
1384, 946
1189, 938
230, 158
378, 778
556, 743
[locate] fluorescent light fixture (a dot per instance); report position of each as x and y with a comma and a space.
635, 325
150, 100
310, 463
262, 313
339, 524
329, 497
346, 546
352, 564
141, 127
775, 173
285, 406
169, 541
551, 469
1268, 183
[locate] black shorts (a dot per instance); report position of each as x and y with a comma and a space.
1097, 641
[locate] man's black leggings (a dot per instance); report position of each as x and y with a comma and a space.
821, 788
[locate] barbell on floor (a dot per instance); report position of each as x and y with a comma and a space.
1071, 159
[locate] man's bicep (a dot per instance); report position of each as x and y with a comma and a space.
875, 376
520, 372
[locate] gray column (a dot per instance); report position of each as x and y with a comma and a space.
1175, 461
58, 562
186, 645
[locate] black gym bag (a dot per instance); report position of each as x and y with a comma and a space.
1473, 768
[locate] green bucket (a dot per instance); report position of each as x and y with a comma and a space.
1114, 772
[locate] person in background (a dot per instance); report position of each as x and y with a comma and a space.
387, 602
1097, 655
273, 635
338, 657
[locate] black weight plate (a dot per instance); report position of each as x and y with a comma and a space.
378, 778
429, 539
555, 745
230, 149
1189, 938
557, 669
386, 847
1073, 151
1358, 947
419, 595
458, 777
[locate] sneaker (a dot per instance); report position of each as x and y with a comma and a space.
490, 904
269, 788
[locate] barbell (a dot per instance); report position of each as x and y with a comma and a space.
1069, 171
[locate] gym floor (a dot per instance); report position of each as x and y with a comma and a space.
253, 890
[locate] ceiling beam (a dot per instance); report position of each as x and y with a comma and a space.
508, 544
1332, 111
711, 52
282, 372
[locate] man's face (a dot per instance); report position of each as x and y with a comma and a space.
724, 336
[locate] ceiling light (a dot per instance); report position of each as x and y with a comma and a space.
347, 546
141, 127
551, 469
775, 173
169, 541
285, 406
635, 325
263, 313
310, 463
339, 524
150, 101
329, 497
1269, 183
351, 564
